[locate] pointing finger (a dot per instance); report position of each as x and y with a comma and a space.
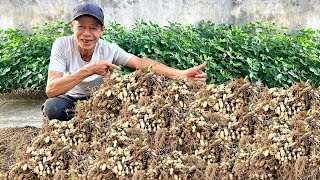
112, 66
201, 66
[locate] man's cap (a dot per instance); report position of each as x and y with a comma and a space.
88, 9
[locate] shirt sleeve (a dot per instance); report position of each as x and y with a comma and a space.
121, 57
58, 59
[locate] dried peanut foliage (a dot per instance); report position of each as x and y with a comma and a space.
145, 126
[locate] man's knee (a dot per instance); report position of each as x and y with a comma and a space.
57, 108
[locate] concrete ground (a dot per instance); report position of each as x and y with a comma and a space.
21, 112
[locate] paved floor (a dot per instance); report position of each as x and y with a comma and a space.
20, 112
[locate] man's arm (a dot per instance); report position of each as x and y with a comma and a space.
59, 84
194, 73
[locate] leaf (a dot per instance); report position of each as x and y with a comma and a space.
219, 48
279, 76
287, 66
30, 66
239, 64
26, 74
303, 62
293, 74
4, 71
316, 71
253, 76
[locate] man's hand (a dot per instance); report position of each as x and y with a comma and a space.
101, 67
195, 73
59, 84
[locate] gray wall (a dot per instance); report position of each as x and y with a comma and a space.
290, 13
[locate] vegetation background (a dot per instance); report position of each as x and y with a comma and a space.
261, 52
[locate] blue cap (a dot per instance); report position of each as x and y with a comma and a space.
88, 9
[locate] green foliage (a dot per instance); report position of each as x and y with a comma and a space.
24, 58
258, 51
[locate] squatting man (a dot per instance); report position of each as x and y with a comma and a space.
80, 61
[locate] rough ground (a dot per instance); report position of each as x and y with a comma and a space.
12, 141
20, 112
20, 121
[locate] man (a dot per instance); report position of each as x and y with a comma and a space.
80, 62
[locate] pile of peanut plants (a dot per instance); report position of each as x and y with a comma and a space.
145, 126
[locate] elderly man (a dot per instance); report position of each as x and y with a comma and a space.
79, 62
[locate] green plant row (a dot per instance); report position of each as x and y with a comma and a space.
259, 51
24, 57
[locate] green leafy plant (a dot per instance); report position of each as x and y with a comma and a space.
24, 58
257, 51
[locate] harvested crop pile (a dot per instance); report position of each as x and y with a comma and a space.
145, 126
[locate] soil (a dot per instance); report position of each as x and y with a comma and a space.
20, 120
12, 141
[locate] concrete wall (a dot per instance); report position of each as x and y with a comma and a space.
290, 13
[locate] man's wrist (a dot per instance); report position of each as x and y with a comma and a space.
85, 71
179, 74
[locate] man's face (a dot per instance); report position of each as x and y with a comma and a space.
87, 31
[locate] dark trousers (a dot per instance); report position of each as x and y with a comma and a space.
61, 107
